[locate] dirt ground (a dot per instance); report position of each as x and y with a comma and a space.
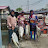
42, 42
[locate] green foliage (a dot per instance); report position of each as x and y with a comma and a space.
19, 9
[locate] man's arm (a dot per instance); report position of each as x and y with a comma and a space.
36, 19
8, 22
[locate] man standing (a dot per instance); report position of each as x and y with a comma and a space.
33, 19
11, 22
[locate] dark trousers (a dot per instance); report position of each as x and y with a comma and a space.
32, 29
10, 31
10, 34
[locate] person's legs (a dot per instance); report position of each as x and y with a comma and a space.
31, 34
34, 35
10, 35
34, 32
24, 31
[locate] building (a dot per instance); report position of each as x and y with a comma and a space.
4, 10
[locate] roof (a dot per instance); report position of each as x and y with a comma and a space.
45, 11
3, 7
37, 12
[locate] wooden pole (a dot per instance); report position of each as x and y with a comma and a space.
0, 34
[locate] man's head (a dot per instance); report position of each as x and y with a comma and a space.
22, 13
12, 13
31, 12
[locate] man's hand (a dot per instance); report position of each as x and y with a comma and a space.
13, 28
28, 23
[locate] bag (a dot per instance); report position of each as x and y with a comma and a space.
21, 31
27, 29
15, 39
38, 31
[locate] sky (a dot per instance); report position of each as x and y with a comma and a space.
33, 4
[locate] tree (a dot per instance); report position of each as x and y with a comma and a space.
19, 9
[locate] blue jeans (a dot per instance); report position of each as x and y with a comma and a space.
31, 35
10, 34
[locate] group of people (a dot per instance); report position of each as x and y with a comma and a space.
12, 23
